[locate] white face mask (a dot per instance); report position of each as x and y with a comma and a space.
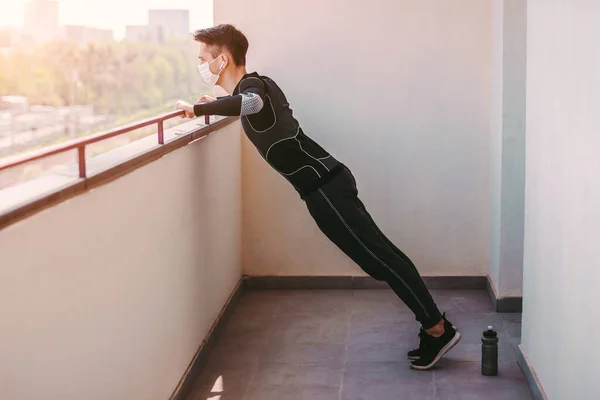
207, 75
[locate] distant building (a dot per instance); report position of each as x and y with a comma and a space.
137, 33
41, 20
11, 38
104, 35
14, 104
6, 37
169, 24
84, 34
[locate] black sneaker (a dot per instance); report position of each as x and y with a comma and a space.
433, 348
416, 353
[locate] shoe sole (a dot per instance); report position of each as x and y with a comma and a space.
442, 352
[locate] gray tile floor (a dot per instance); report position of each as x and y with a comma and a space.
351, 345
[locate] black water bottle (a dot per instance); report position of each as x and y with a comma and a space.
489, 352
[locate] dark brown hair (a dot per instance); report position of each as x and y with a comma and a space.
224, 36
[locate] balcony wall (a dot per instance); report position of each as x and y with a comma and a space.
562, 215
400, 92
110, 294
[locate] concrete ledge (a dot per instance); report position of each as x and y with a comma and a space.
356, 282
534, 384
194, 370
503, 304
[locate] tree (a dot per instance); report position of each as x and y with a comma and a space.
116, 78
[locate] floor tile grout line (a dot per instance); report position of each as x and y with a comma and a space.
510, 338
254, 372
348, 324
350, 317
256, 363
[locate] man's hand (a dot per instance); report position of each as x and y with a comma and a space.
204, 98
187, 107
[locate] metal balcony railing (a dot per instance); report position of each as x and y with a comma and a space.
80, 144
86, 180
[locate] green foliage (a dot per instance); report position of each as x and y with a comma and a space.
118, 78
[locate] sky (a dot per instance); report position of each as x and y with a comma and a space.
111, 14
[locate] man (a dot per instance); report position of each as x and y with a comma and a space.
324, 183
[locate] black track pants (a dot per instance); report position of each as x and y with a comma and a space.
342, 217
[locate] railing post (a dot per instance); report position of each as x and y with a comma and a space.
161, 132
81, 153
207, 120
79, 144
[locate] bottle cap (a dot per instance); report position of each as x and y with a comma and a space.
490, 333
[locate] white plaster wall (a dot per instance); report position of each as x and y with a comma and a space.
110, 294
562, 213
507, 179
400, 92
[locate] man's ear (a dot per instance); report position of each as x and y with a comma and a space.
224, 62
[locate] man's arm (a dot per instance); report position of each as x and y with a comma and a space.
249, 101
